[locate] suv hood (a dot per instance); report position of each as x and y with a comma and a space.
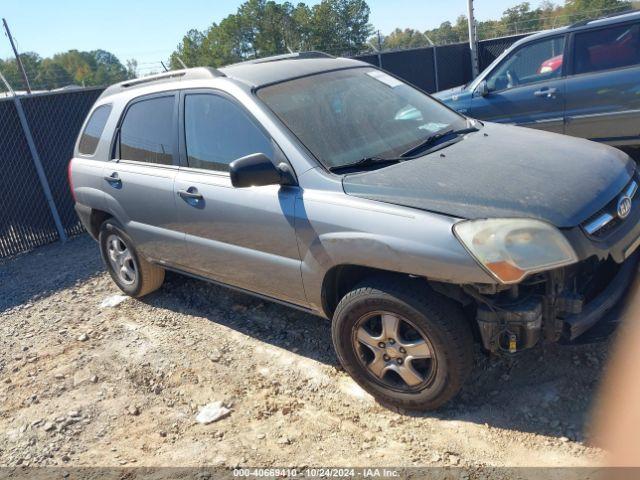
504, 171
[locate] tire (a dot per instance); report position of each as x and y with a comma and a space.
438, 321
145, 277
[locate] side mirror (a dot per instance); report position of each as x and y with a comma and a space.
257, 170
483, 88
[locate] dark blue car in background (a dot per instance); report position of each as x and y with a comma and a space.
582, 80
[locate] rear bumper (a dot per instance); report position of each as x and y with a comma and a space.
577, 324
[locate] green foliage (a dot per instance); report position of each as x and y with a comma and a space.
583, 9
261, 28
520, 18
74, 67
399, 39
450, 33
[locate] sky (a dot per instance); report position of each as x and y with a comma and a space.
149, 30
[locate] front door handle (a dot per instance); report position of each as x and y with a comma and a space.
113, 179
546, 92
191, 193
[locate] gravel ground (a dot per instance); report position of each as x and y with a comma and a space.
82, 384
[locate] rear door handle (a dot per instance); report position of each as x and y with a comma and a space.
546, 92
190, 193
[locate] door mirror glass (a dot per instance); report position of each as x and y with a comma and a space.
483, 89
256, 170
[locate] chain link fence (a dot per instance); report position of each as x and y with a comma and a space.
53, 121
25, 221
489, 50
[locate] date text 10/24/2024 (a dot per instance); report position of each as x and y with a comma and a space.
317, 472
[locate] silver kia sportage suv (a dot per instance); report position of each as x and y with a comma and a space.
333, 187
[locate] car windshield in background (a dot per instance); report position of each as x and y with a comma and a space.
348, 115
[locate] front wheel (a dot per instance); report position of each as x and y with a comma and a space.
132, 273
406, 345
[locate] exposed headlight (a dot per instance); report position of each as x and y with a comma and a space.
511, 249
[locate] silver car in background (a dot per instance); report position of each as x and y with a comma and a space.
333, 187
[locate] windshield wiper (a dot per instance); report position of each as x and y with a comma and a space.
433, 139
365, 163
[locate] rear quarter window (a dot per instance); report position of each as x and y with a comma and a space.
148, 131
93, 131
607, 48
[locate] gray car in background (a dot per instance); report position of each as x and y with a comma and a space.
332, 187
582, 80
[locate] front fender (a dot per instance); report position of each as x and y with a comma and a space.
365, 233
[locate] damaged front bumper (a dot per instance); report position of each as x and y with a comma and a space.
563, 304
559, 305
578, 323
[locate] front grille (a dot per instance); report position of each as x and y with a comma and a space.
606, 220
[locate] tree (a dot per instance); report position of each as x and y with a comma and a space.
98, 67
407, 38
265, 27
108, 68
132, 68
450, 33
10, 69
584, 9
521, 18
51, 75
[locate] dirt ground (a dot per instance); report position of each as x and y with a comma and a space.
82, 384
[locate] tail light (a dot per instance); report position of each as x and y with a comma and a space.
70, 178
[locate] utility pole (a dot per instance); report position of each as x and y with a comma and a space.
15, 52
379, 50
473, 40
181, 62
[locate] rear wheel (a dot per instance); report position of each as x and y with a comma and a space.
408, 347
132, 273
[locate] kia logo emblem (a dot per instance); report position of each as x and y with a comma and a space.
624, 207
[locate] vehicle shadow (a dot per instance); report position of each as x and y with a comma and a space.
266, 321
46, 270
547, 390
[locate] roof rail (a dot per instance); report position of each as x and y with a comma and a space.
170, 76
285, 56
584, 22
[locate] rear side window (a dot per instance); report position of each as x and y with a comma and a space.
612, 47
93, 130
217, 132
147, 133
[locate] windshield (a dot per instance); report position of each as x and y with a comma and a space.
348, 115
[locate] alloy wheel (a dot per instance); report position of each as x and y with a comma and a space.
121, 259
394, 351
